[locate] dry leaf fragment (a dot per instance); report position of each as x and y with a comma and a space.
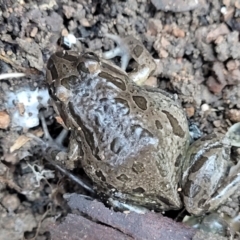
22, 140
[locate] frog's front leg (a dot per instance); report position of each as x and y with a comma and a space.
68, 158
128, 48
55, 149
60, 157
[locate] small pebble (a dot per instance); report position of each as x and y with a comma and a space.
177, 32
11, 202
237, 4
154, 26
233, 115
205, 107
34, 32
4, 120
64, 32
84, 22
9, 52
190, 111
217, 123
151, 81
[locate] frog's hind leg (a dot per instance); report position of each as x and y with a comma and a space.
122, 50
131, 48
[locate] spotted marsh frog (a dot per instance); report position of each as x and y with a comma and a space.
133, 141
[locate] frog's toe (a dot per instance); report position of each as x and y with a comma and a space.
124, 61
61, 137
49, 141
122, 50
112, 53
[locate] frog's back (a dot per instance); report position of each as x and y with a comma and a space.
125, 144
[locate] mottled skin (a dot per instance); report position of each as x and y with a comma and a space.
132, 141
121, 130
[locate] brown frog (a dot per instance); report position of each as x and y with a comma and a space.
133, 141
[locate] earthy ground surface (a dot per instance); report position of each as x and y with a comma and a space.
199, 59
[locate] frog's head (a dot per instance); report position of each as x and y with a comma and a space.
66, 69
65, 72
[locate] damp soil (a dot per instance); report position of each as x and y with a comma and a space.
197, 47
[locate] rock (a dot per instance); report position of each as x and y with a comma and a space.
190, 111
175, 5
233, 115
11, 202
54, 22
99, 222
34, 53
214, 86
219, 31
177, 32
34, 32
154, 26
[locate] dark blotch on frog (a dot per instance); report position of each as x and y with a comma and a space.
117, 82
158, 124
138, 51
141, 102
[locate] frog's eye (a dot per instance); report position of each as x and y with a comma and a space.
92, 56
81, 67
89, 64
69, 82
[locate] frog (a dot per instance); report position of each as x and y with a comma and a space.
131, 140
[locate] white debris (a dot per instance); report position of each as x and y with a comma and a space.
223, 10
29, 102
11, 75
205, 107
69, 40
